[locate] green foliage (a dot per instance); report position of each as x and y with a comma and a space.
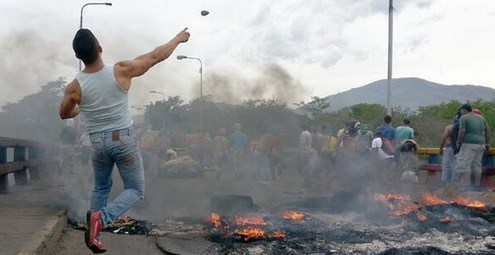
488, 110
431, 120
256, 117
264, 115
317, 105
36, 117
317, 112
443, 111
165, 114
371, 114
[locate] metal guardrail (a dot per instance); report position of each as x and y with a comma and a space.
436, 151
434, 165
25, 159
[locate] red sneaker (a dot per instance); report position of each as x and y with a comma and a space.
93, 229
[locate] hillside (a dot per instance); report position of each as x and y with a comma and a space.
409, 93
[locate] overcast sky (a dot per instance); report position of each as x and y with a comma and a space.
287, 49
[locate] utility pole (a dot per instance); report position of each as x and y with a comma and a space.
389, 69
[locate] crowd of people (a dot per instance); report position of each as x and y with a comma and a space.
357, 152
390, 154
247, 158
387, 154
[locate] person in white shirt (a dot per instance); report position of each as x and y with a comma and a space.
384, 161
305, 154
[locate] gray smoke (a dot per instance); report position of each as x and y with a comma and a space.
269, 81
28, 62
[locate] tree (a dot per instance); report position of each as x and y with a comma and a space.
317, 112
258, 116
431, 120
166, 114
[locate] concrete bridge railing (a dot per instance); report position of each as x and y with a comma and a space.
26, 160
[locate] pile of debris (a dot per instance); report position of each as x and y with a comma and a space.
380, 224
182, 167
123, 225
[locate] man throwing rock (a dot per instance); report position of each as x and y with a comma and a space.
100, 92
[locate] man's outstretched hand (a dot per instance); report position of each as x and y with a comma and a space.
183, 36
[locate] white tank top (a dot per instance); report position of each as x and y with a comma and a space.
104, 103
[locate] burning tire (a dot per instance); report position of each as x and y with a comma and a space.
231, 204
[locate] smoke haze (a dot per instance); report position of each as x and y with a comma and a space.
268, 80
28, 62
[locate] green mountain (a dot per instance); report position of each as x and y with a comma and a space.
409, 93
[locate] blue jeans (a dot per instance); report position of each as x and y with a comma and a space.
448, 165
116, 148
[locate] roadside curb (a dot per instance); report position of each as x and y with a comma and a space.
44, 240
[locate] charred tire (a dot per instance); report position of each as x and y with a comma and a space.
231, 204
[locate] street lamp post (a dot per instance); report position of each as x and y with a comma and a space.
81, 20
164, 97
180, 57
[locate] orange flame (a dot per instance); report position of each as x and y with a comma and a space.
430, 199
279, 234
251, 233
387, 197
446, 219
215, 219
421, 217
406, 209
401, 205
256, 220
291, 215
460, 200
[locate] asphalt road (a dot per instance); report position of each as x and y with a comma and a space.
72, 243
166, 198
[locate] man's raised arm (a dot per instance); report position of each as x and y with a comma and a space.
72, 97
126, 70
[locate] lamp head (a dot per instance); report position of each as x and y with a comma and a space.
109, 4
180, 57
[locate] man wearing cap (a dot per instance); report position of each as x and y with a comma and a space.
477, 111
474, 139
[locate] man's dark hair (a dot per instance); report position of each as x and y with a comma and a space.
466, 107
85, 46
387, 119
